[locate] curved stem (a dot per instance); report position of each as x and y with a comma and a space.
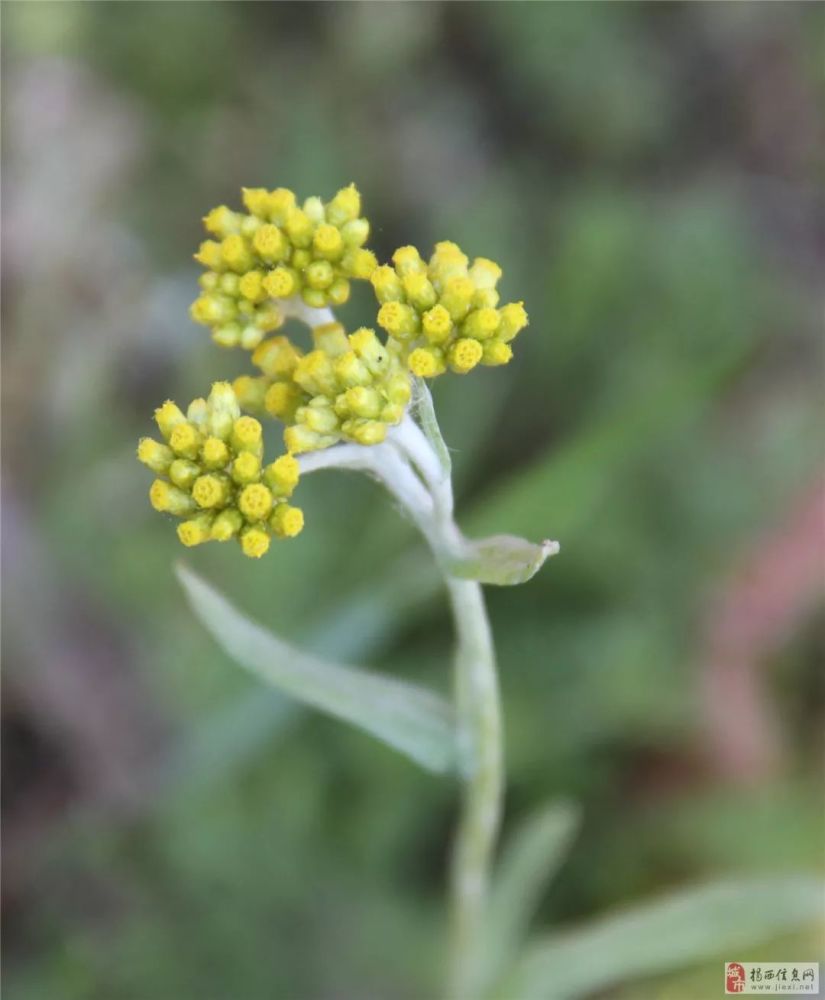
480, 751
427, 497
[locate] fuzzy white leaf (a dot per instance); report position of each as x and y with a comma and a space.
680, 929
408, 718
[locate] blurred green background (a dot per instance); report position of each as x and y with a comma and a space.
649, 177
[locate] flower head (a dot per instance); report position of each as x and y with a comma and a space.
278, 249
444, 313
211, 475
348, 388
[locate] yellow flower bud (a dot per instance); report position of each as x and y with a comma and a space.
281, 203
399, 320
426, 362
299, 228
211, 309
419, 291
314, 209
236, 253
268, 317
276, 356
481, 324
328, 242
338, 292
299, 438
251, 286
169, 499
250, 337
282, 475
457, 296
351, 370
246, 468
367, 432
228, 335
361, 401
167, 417
254, 542
228, 284
185, 441
256, 201
226, 525
315, 298
286, 521
464, 355
222, 221
270, 244
512, 319
214, 453
210, 490
158, 457
281, 283
250, 392
355, 232
183, 473
282, 400
209, 254
485, 273
255, 502
370, 350
437, 324
222, 410
359, 264
300, 259
318, 416
210, 280
345, 206
246, 435
407, 260
485, 298
196, 531
387, 285
392, 413
332, 338
314, 373
398, 389
496, 352
319, 275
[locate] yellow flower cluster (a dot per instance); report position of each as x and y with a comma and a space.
444, 313
278, 249
349, 388
210, 473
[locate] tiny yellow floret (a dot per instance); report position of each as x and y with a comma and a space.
255, 502
287, 521
185, 441
464, 355
246, 434
423, 363
254, 542
210, 491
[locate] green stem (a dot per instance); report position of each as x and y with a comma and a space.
480, 744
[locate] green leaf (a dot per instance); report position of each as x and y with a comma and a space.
410, 719
534, 854
503, 560
678, 930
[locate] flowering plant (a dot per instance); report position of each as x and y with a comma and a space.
361, 401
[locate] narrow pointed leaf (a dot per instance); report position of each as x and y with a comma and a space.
705, 922
410, 719
532, 857
503, 560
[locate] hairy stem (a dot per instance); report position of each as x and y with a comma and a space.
480, 749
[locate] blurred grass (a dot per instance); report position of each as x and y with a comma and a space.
647, 176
